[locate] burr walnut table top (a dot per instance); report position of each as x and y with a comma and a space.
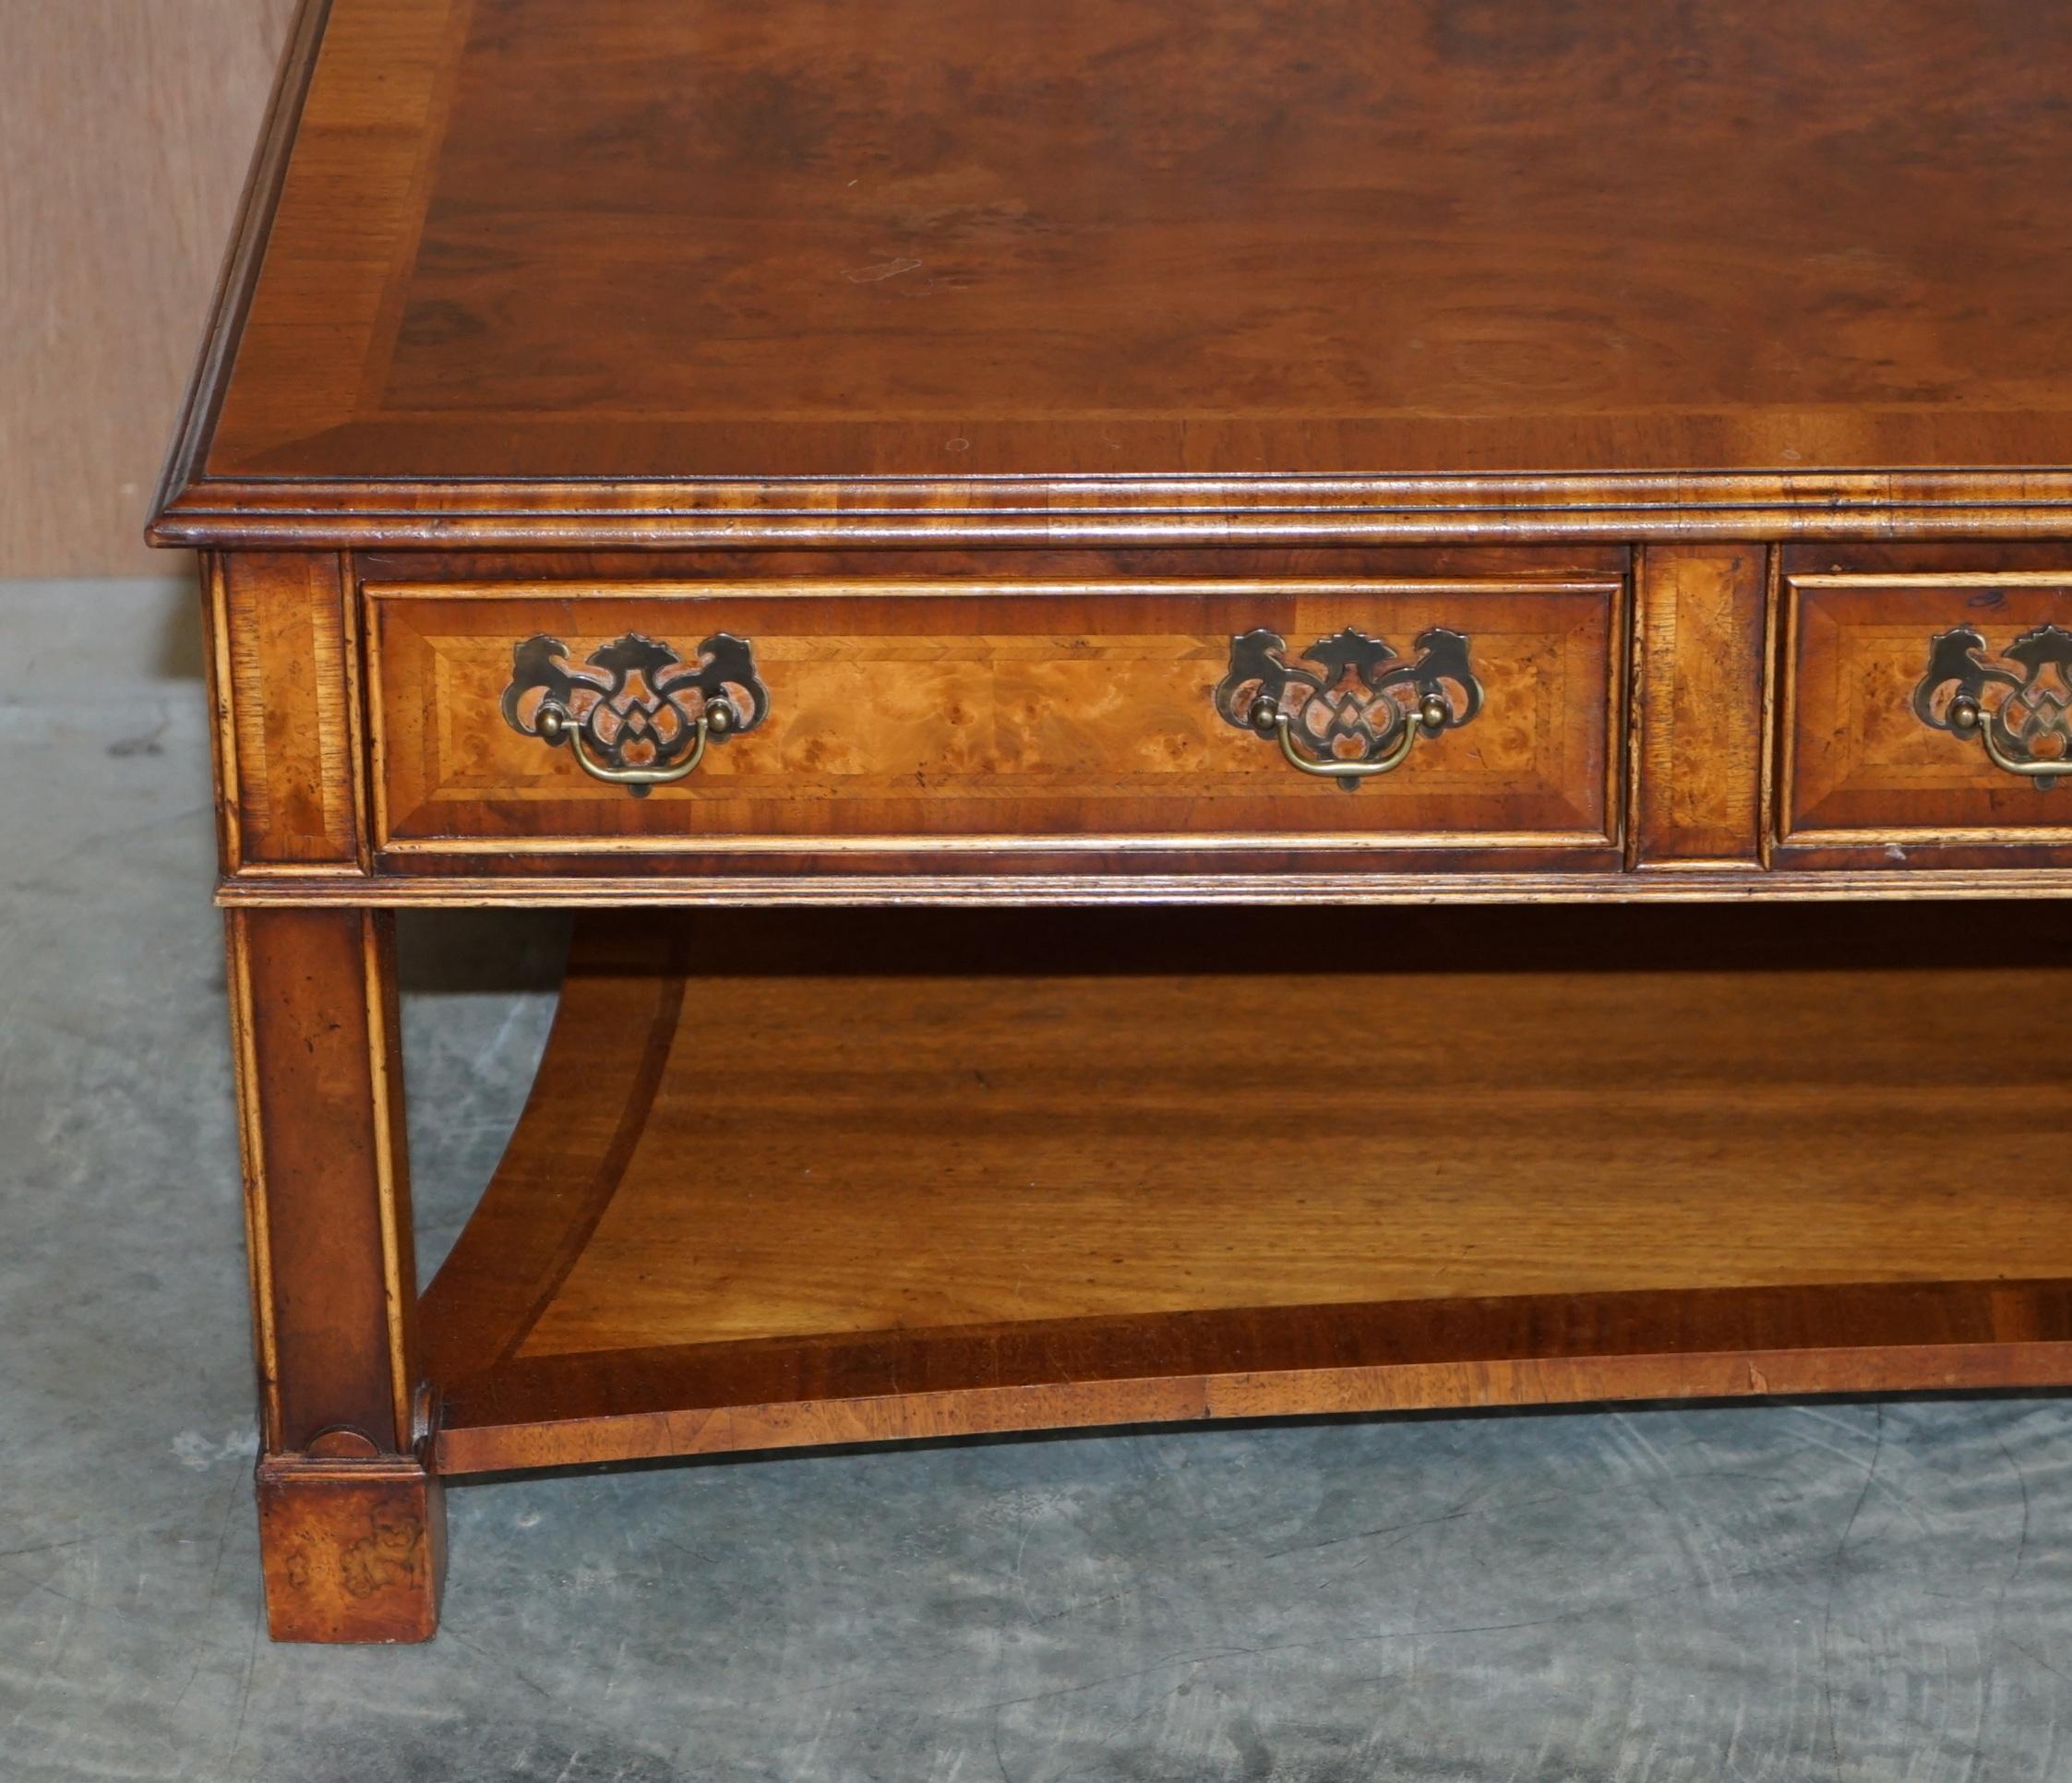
1634, 268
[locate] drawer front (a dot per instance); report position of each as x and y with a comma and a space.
1924, 709
938, 716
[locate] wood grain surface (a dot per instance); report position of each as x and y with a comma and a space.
1127, 268
285, 673
354, 1550
1072, 717
1860, 766
1701, 620
1385, 1357
1815, 876
545, 315
774, 1143
314, 1027
350, 1524
125, 128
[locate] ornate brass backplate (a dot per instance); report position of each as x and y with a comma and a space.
2035, 710
635, 713
1343, 717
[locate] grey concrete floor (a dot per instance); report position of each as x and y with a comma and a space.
1797, 1593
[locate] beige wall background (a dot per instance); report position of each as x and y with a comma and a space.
125, 129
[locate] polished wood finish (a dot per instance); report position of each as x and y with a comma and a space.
1827, 876
1860, 767
990, 372
718, 1211
1700, 621
285, 679
924, 716
333, 1281
1119, 269
354, 1550
1389, 1357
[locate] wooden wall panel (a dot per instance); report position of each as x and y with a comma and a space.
126, 128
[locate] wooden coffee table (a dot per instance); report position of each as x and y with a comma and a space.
1410, 468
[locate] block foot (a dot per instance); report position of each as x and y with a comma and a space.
355, 1551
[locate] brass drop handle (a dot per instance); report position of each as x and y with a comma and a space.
633, 712
1269, 720
1350, 707
555, 724
1966, 716
2028, 731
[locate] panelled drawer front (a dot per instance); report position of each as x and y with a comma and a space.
1878, 745
941, 715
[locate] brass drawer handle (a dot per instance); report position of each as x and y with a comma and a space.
635, 714
1269, 720
1348, 702
2036, 708
555, 724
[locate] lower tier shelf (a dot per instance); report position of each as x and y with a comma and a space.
792, 1178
